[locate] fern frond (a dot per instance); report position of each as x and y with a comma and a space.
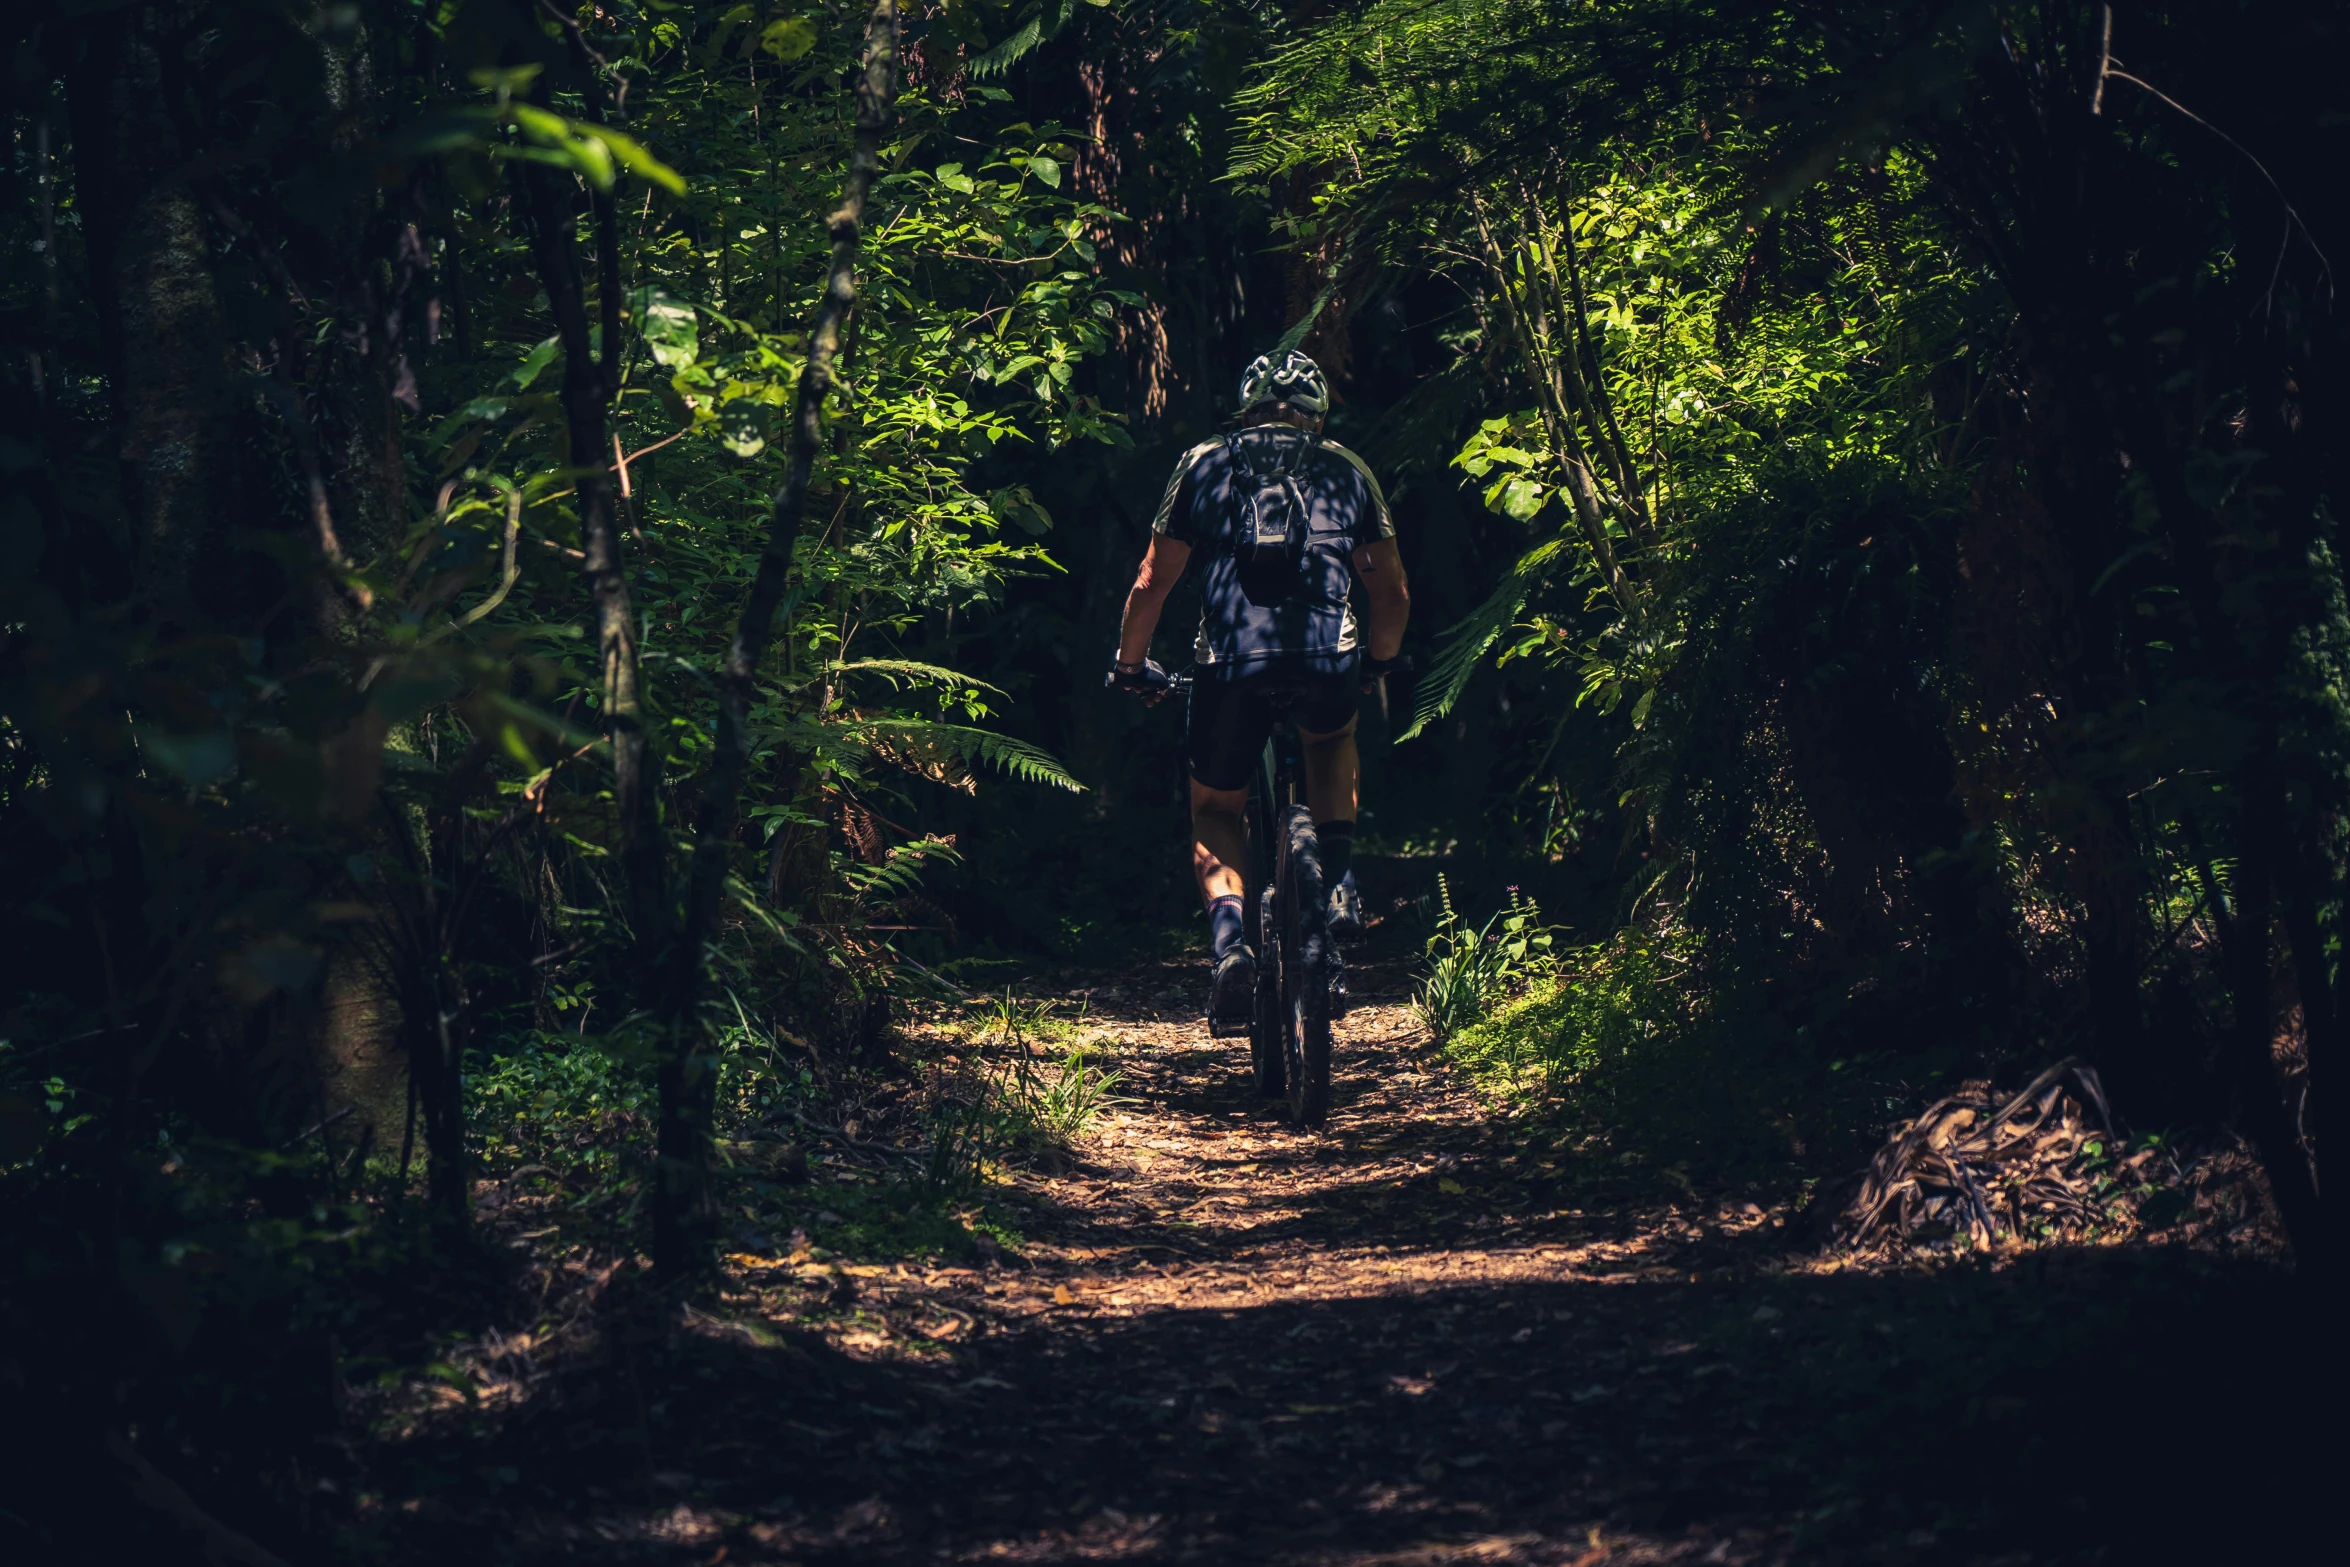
911, 669
900, 870
1466, 643
1015, 757
1008, 53
1051, 16
754, 906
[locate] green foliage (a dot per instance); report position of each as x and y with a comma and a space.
1059, 1100
1050, 1102
1028, 1106
568, 1103
1470, 970
1586, 1015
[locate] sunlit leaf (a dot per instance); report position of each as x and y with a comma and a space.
789, 38
633, 157
669, 327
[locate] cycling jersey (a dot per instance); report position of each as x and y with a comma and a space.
1310, 630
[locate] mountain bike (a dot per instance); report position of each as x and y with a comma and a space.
1301, 979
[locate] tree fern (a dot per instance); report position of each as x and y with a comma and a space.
1015, 757
900, 870
1466, 643
914, 670
1050, 18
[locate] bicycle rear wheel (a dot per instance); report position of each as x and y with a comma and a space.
1267, 1056
1307, 966
1268, 1066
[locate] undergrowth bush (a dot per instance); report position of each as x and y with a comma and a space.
1591, 1009
1030, 1109
1661, 1066
556, 1100
1473, 969
578, 1104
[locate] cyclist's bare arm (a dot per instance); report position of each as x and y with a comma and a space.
1387, 597
1161, 566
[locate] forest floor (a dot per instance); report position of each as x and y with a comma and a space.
1421, 1336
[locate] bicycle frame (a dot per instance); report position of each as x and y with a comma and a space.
1279, 781
1300, 982
1284, 904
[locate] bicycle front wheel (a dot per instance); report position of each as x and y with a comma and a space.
1307, 966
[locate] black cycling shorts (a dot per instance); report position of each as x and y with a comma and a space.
1230, 720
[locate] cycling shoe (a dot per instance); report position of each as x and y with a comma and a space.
1346, 910
1232, 999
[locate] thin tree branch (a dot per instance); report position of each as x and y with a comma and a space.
2292, 217
511, 568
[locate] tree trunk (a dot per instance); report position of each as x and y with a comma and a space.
680, 1199
2251, 1044
587, 388
164, 335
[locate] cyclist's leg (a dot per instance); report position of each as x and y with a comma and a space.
1326, 729
1219, 839
1224, 733
1332, 771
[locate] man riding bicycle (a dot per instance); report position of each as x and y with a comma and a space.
1280, 514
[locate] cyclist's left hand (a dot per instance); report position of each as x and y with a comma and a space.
1146, 680
1401, 682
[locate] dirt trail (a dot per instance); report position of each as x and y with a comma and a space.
1404, 1340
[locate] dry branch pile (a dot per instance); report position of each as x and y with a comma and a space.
1970, 1165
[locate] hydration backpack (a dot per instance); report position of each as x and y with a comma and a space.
1274, 522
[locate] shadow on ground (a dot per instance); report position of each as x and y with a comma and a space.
2076, 1407
1423, 1336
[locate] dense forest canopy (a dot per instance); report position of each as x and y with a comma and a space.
560, 558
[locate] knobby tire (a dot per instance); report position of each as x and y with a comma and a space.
1306, 966
1268, 1057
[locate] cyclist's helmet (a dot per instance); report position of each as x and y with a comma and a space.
1292, 378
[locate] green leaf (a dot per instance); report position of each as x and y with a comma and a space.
634, 158
1018, 506
528, 371
505, 81
790, 38
742, 426
1046, 170
594, 152
996, 61
669, 327
1516, 497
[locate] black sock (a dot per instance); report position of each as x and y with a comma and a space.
1224, 923
1338, 850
